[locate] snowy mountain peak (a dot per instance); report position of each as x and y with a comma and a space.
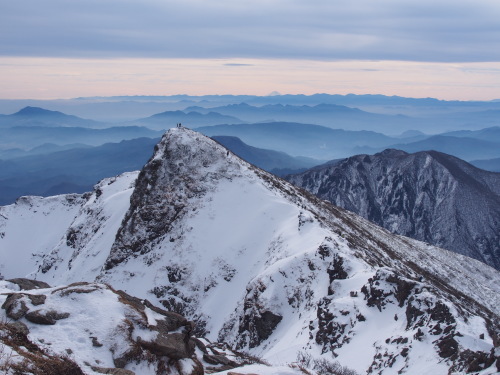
190, 152
268, 268
185, 166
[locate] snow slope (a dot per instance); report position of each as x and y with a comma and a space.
268, 268
32, 227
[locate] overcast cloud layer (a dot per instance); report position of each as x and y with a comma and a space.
411, 30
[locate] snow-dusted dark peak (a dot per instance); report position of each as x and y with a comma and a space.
185, 166
428, 195
189, 150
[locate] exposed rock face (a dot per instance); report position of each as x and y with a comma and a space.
167, 189
429, 196
173, 345
257, 322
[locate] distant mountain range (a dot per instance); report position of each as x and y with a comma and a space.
136, 106
299, 139
398, 113
491, 134
462, 147
492, 165
429, 196
168, 119
45, 148
70, 171
35, 116
276, 162
16, 140
32, 127
329, 115
76, 170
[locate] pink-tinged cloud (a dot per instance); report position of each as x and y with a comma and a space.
49, 78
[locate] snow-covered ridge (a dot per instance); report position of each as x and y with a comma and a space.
266, 267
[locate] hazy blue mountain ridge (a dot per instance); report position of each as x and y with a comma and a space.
70, 171
438, 115
168, 119
35, 116
269, 160
492, 165
299, 139
26, 138
77, 170
462, 147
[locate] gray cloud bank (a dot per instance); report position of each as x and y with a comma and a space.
411, 30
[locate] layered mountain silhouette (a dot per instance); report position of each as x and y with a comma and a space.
36, 116
298, 139
70, 171
492, 165
273, 161
429, 196
77, 169
165, 120
329, 115
23, 138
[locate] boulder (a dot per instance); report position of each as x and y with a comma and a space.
172, 320
173, 345
37, 299
45, 317
28, 284
15, 306
218, 359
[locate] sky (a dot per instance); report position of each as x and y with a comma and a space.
418, 48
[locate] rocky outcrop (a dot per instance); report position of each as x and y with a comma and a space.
173, 345
45, 317
20, 354
179, 177
28, 284
257, 322
143, 333
16, 304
